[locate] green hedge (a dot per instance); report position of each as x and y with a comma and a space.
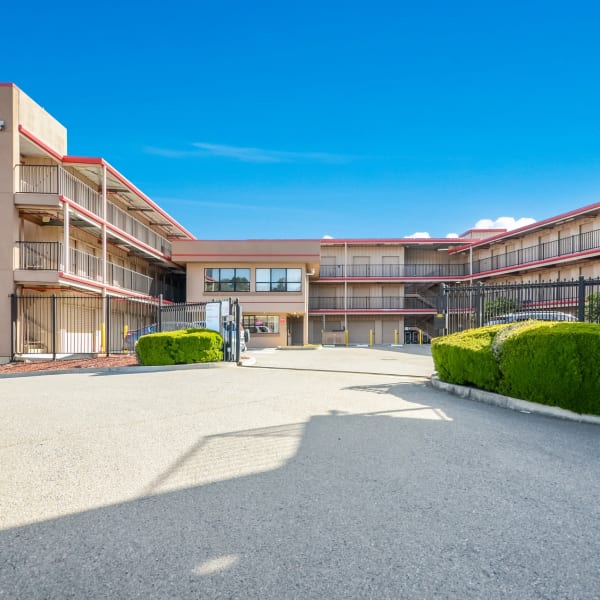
552, 363
180, 347
556, 365
466, 358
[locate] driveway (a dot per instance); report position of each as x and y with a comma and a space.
333, 473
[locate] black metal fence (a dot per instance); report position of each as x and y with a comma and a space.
465, 306
60, 326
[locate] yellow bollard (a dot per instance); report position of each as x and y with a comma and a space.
395, 337
347, 337
125, 330
370, 337
103, 337
420, 337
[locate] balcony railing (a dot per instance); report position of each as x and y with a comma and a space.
49, 256
52, 179
555, 249
373, 303
377, 271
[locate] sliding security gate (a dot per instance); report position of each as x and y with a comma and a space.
56, 326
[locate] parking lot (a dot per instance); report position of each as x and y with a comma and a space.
330, 473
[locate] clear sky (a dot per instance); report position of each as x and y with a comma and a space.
299, 119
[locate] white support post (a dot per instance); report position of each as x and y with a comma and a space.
104, 215
66, 240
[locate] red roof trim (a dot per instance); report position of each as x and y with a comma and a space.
37, 142
394, 241
537, 225
247, 254
101, 162
86, 160
557, 260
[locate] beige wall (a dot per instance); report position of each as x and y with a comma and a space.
9, 153
41, 124
252, 254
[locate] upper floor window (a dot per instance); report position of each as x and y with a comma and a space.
278, 280
226, 280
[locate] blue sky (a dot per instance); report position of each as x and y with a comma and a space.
304, 119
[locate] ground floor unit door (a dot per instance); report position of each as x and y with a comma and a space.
295, 330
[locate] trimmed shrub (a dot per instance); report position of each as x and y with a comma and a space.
180, 347
466, 358
555, 364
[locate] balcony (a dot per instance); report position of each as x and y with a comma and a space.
49, 256
51, 180
582, 242
372, 303
406, 271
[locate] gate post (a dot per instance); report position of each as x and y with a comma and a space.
13, 325
581, 300
107, 320
159, 316
479, 298
238, 337
54, 320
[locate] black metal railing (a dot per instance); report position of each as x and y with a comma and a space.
61, 326
373, 303
573, 244
395, 271
467, 306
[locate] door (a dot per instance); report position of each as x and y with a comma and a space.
296, 331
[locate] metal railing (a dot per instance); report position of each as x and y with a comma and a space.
52, 179
61, 326
580, 242
467, 306
398, 271
372, 303
50, 256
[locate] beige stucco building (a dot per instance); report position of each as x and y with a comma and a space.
76, 228
271, 279
72, 226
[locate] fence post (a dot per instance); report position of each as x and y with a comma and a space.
238, 344
479, 294
107, 325
581, 303
13, 325
54, 320
159, 316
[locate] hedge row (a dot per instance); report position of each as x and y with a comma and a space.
549, 363
180, 347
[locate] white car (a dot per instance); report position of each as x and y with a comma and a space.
525, 315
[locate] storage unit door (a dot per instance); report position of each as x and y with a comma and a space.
358, 331
389, 325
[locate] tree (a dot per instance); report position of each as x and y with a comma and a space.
592, 308
499, 306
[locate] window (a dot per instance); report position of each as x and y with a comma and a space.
226, 280
278, 280
261, 323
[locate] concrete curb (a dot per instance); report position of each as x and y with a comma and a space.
511, 403
129, 369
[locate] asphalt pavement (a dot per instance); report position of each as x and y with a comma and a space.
331, 473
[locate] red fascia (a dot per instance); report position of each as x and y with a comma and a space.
101, 162
538, 224
307, 256
558, 260
85, 160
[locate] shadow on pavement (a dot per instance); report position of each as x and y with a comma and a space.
368, 507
